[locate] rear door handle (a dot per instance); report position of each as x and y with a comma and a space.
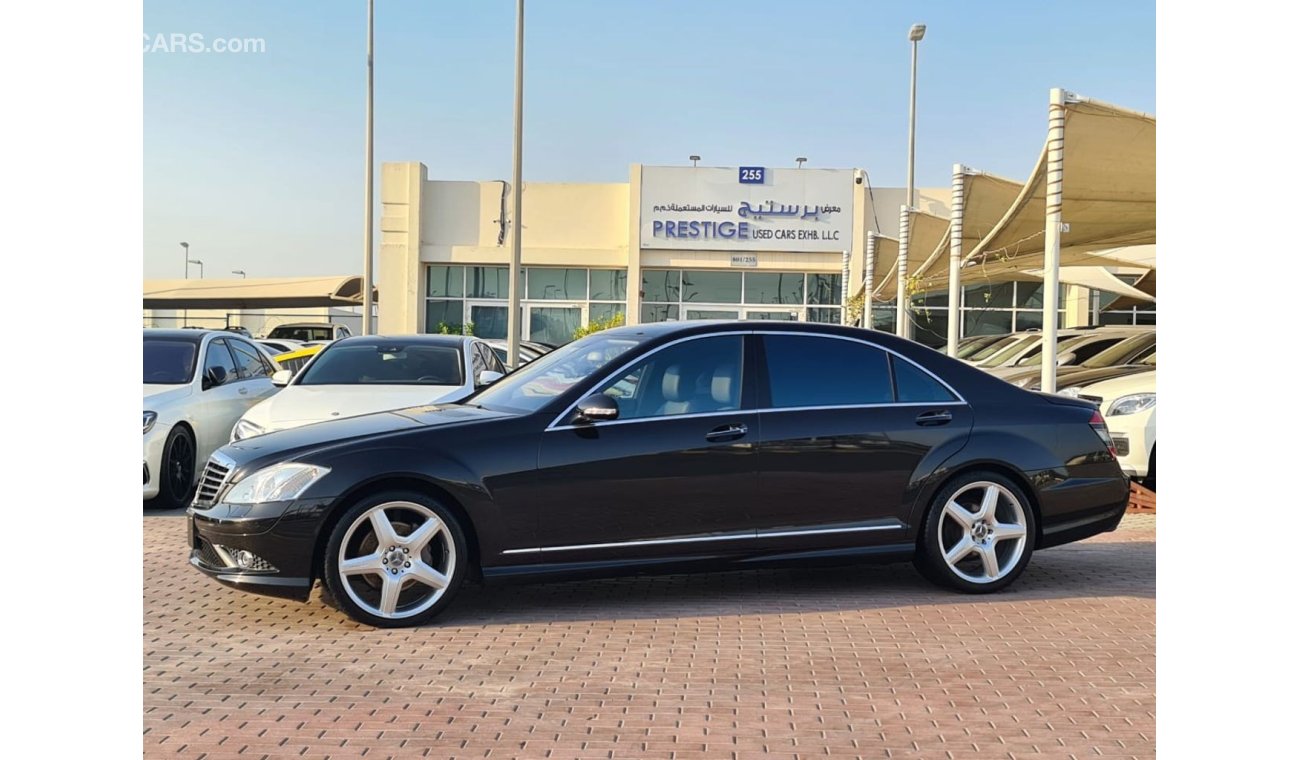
940, 417
727, 433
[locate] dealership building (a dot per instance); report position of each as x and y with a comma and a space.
671, 243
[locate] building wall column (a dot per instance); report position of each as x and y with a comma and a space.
634, 246
1077, 302
402, 289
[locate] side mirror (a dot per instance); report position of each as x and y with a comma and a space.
282, 378
488, 376
596, 408
213, 377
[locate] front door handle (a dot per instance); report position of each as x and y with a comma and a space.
940, 417
727, 433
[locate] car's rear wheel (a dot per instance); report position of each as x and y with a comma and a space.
176, 475
978, 534
395, 559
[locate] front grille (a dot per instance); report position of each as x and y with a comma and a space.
214, 478
1121, 445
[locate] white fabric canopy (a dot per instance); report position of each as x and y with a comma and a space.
263, 293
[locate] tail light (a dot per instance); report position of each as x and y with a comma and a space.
1098, 424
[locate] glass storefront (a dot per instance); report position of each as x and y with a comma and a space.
556, 301
671, 294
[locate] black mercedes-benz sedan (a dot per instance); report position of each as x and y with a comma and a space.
664, 448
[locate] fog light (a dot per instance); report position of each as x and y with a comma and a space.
246, 560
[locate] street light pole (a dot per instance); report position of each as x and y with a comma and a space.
185, 251
242, 274
516, 243
368, 270
197, 263
904, 326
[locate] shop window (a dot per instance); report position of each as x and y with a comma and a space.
824, 288
658, 312
824, 316
609, 284
711, 287
774, 287
554, 284
661, 285
488, 282
446, 282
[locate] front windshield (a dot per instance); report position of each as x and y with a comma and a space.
1012, 349
1150, 361
395, 364
989, 350
1117, 353
169, 362
1037, 359
533, 385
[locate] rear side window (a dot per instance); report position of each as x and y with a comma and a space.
804, 370
915, 386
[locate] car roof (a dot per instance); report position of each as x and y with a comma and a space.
306, 324
423, 340
168, 333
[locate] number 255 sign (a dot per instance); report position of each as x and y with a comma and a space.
752, 175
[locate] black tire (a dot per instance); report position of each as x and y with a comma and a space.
929, 555
1150, 480
338, 593
176, 472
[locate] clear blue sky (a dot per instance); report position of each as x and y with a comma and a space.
257, 159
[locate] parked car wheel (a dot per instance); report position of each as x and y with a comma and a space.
395, 559
978, 534
176, 476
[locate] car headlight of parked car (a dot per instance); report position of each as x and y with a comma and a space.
1073, 391
149, 419
280, 482
1132, 404
245, 429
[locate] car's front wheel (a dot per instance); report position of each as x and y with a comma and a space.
395, 559
176, 476
978, 534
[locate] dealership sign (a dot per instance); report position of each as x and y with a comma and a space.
748, 208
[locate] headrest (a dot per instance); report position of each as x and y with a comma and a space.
674, 386
724, 384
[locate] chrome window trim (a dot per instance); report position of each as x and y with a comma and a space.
960, 400
750, 535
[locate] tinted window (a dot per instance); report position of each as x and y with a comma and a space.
810, 371
1087, 351
915, 386
494, 360
693, 377
169, 362
476, 356
395, 364
250, 364
303, 334
219, 356
538, 382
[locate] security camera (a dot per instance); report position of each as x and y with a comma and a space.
858, 179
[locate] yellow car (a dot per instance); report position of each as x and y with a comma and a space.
294, 360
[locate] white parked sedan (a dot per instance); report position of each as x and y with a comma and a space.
363, 375
197, 384
1129, 405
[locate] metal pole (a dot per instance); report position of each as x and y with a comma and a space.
903, 328
911, 134
954, 257
869, 280
844, 290
516, 243
368, 271
1052, 233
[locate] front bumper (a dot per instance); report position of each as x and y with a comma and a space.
265, 549
1138, 433
154, 442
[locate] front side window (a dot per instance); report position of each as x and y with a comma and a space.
804, 370
395, 364
696, 376
219, 356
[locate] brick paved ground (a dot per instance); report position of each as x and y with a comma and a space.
861, 661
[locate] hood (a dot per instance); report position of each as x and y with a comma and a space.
1109, 390
260, 451
1084, 377
304, 404
157, 395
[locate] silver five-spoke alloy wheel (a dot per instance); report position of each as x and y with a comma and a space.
397, 559
982, 532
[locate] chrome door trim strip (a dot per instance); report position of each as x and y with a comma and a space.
698, 539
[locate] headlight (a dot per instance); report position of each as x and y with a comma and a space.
280, 482
245, 429
1132, 404
149, 419
1073, 391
